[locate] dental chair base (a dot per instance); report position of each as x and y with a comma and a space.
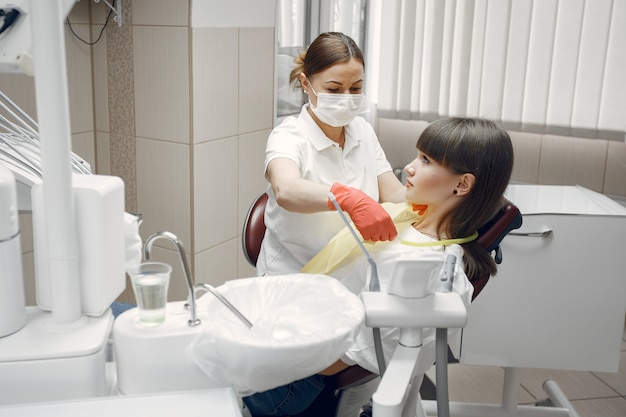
509, 406
398, 392
45, 361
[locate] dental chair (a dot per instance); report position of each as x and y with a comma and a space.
506, 218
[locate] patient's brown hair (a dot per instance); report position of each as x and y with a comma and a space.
484, 149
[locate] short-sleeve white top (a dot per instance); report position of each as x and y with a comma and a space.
292, 239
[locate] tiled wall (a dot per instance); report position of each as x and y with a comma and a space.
597, 164
181, 114
203, 100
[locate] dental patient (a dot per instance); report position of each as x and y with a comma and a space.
453, 187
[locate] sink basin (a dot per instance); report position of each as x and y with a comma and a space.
302, 323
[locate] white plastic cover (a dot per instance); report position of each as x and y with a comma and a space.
132, 240
302, 323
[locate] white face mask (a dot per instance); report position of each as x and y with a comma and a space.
337, 109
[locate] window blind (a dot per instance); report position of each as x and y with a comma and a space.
545, 66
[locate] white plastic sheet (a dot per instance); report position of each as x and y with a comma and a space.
301, 324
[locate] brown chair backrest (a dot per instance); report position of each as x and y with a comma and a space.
254, 229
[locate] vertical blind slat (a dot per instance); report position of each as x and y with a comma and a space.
564, 64
389, 44
405, 59
460, 57
494, 61
536, 65
476, 59
539, 63
418, 54
589, 80
446, 56
517, 56
431, 59
613, 104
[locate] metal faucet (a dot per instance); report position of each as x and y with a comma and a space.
194, 321
220, 297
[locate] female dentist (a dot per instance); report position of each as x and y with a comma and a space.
327, 148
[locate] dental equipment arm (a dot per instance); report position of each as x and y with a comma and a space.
397, 394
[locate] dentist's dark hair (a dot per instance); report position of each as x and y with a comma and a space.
482, 148
327, 49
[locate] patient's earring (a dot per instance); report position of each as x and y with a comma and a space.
454, 192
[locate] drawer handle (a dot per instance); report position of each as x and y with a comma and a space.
545, 233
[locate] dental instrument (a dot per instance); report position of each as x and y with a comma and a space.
373, 286
374, 282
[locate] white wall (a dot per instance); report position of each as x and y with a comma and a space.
233, 13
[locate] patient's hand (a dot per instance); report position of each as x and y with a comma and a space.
334, 368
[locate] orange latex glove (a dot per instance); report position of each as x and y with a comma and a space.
368, 215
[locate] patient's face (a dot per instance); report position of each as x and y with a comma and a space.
428, 182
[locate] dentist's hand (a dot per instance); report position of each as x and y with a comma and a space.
368, 215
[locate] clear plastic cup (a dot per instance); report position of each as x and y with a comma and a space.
150, 281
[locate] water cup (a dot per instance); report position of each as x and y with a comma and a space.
150, 281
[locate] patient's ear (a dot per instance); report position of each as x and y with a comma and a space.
466, 183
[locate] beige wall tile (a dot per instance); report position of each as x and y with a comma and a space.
571, 161
398, 139
526, 149
215, 193
103, 154
251, 180
28, 273
123, 165
80, 90
99, 13
79, 12
244, 269
161, 69
615, 180
20, 89
100, 82
256, 79
163, 188
215, 83
218, 264
161, 12
26, 231
83, 145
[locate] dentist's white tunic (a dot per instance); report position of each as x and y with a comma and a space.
292, 239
